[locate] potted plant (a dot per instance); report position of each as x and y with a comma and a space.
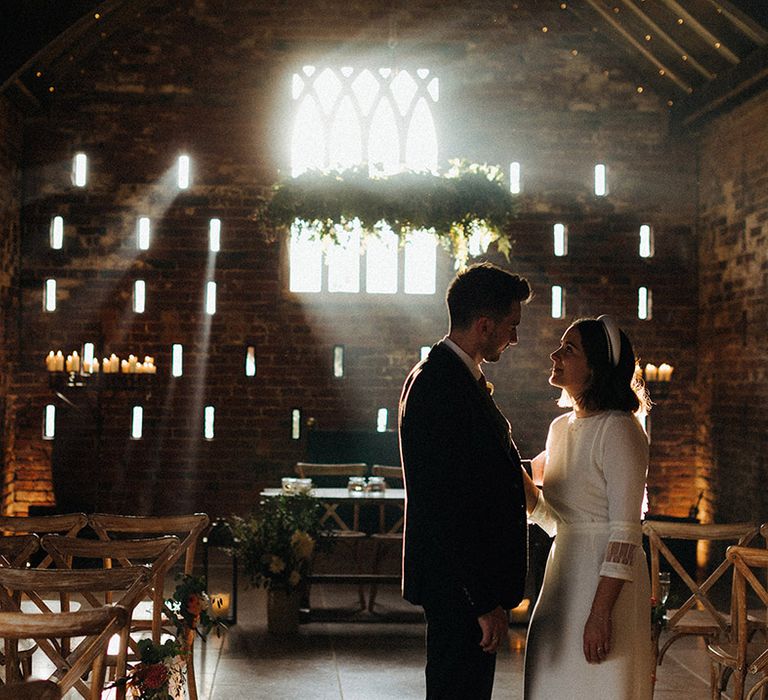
276, 544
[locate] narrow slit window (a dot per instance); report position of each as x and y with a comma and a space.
514, 177
646, 241
80, 170
137, 423
177, 359
49, 422
210, 298
558, 301
214, 235
424, 351
560, 234
143, 231
601, 183
381, 420
644, 303
183, 172
139, 296
296, 424
210, 415
57, 232
338, 361
250, 361
88, 356
49, 295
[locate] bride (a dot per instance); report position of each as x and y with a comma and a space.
589, 635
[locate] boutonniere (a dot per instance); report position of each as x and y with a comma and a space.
489, 387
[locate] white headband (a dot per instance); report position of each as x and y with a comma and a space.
613, 336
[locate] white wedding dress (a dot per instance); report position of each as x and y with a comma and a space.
593, 488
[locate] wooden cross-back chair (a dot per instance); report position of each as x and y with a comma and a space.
697, 615
389, 533
68, 524
15, 550
742, 653
96, 627
16, 585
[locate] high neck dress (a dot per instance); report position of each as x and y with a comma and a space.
593, 488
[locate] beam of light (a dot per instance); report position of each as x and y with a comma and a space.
57, 232
80, 170
49, 295
420, 263
49, 422
210, 298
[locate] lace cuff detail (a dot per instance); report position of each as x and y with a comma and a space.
618, 560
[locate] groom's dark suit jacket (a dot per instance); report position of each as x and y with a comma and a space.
465, 510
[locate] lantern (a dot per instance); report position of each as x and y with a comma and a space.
220, 564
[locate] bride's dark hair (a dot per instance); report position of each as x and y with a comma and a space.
618, 388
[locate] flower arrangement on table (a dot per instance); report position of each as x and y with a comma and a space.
276, 542
159, 675
471, 201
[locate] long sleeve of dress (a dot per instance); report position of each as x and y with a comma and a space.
543, 516
624, 462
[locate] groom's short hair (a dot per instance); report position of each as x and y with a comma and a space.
484, 290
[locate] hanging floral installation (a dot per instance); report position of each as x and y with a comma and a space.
467, 209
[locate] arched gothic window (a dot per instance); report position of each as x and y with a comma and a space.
348, 117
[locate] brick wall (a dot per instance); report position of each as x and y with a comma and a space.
733, 263
213, 79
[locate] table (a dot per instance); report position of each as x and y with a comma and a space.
331, 498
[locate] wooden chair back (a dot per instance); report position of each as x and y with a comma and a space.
96, 626
68, 524
742, 652
188, 528
388, 472
697, 614
309, 469
15, 550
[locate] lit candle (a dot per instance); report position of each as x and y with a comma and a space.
69, 363
124, 367
665, 372
50, 362
106, 365
86, 367
114, 363
59, 362
95, 366
139, 368
75, 361
131, 363
651, 373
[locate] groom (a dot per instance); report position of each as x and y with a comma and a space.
465, 547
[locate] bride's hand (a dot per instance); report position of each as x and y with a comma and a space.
597, 637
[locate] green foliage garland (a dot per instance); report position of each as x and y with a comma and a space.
469, 199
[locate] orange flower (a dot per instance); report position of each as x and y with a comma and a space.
194, 604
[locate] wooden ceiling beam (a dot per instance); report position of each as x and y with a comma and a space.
657, 30
701, 30
745, 24
597, 7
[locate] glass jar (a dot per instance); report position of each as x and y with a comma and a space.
376, 484
356, 484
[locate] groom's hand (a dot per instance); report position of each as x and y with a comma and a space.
495, 627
